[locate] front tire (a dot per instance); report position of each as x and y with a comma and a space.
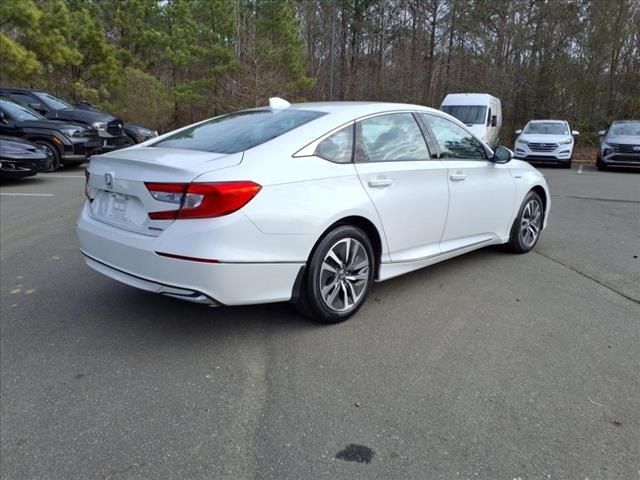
527, 226
52, 152
339, 275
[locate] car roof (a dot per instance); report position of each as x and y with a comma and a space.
625, 121
547, 121
358, 108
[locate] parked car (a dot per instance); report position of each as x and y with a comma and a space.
136, 133
546, 141
310, 202
67, 143
619, 145
481, 112
110, 128
20, 158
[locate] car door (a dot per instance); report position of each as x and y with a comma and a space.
8, 125
407, 186
481, 193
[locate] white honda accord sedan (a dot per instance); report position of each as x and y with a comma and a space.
309, 203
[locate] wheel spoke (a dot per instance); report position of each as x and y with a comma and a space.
334, 256
358, 276
329, 268
346, 303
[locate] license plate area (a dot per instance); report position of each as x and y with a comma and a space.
120, 209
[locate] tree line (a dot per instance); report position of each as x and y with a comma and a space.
170, 62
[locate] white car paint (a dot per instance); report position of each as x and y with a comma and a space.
487, 127
423, 211
545, 147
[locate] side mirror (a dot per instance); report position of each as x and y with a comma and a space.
602, 133
502, 155
575, 133
494, 120
519, 131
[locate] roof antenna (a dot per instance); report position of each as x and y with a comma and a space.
277, 103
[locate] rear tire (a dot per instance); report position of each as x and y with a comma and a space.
527, 226
54, 155
338, 277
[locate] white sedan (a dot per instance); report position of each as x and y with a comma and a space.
309, 203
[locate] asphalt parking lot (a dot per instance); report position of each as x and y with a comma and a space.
488, 366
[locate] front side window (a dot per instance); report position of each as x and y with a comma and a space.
391, 138
467, 114
546, 128
22, 99
337, 147
454, 141
239, 131
18, 112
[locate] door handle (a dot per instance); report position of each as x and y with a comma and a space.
380, 182
457, 177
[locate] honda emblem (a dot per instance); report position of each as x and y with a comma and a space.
636, 148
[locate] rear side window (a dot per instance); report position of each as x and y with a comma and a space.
454, 141
337, 147
391, 138
238, 131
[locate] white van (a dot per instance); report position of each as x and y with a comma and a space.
481, 112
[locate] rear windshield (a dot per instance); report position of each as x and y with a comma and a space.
238, 131
467, 114
547, 128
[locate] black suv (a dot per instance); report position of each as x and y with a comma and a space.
66, 142
109, 127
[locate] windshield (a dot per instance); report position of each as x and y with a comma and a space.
470, 115
238, 131
54, 102
546, 128
627, 128
18, 112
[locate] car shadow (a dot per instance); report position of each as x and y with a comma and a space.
152, 316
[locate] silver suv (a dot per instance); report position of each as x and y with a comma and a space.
619, 145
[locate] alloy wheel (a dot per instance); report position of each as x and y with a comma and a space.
530, 223
344, 275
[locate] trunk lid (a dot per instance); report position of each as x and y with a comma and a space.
116, 183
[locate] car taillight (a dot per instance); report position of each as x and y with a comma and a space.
87, 188
201, 200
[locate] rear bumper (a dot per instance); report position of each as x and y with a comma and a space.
131, 258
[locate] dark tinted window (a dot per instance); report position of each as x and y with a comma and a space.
23, 98
468, 114
454, 141
18, 112
337, 147
238, 131
391, 138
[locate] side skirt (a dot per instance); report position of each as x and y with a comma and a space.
394, 269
